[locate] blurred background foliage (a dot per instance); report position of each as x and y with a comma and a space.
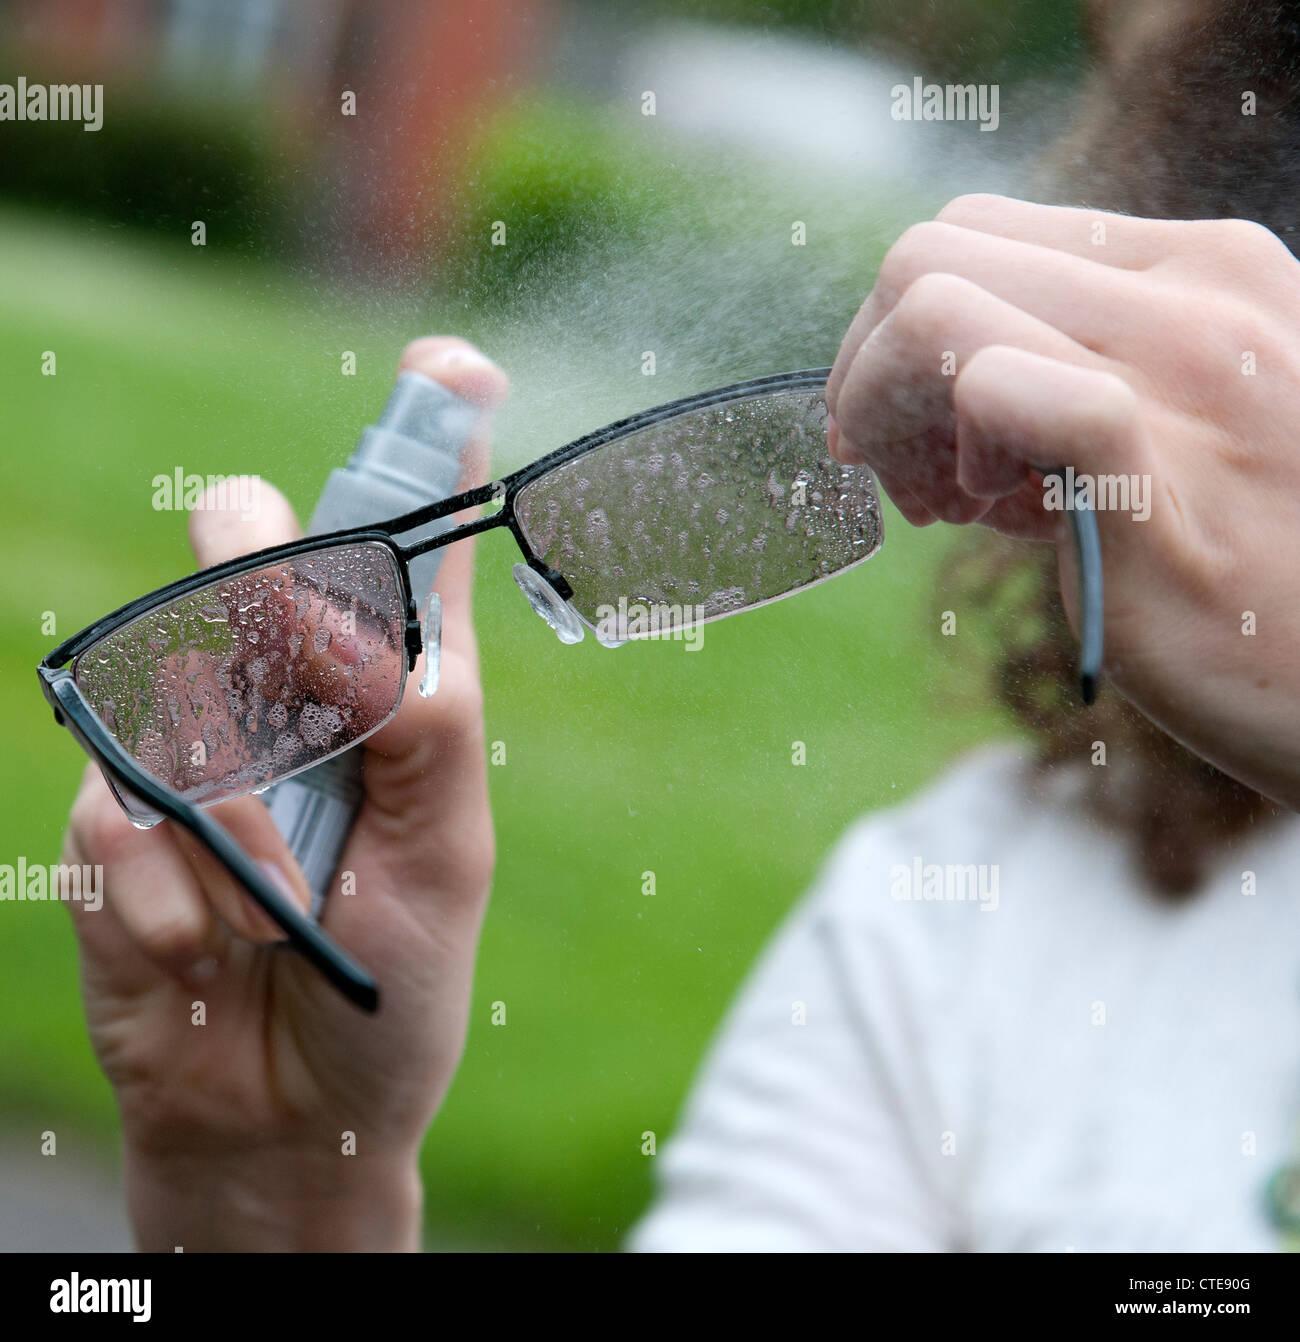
570, 182
159, 162
999, 39
622, 238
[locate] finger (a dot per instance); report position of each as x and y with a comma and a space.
1118, 240
249, 823
460, 367
913, 510
1022, 515
426, 788
220, 530
154, 914
470, 374
1087, 300
896, 405
922, 470
426, 727
1045, 411
1237, 251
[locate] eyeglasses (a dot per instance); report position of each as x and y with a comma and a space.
246, 673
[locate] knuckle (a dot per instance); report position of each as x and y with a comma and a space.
1247, 236
1210, 363
926, 308
1235, 255
452, 725
907, 259
459, 702
1112, 411
171, 940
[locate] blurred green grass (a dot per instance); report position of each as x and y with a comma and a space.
649, 758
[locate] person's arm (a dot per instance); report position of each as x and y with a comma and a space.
1161, 360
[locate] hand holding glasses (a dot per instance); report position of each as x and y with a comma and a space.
244, 674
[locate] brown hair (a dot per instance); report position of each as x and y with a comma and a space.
1161, 134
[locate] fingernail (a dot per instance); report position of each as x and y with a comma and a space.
839, 447
844, 452
459, 356
283, 884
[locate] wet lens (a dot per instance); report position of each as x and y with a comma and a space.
250, 679
702, 515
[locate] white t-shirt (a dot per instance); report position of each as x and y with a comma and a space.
1084, 1066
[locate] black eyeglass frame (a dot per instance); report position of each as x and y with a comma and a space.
73, 710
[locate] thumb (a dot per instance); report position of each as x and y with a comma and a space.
229, 522
234, 519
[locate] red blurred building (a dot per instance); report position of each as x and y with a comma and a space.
423, 74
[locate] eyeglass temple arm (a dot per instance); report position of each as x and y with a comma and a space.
342, 972
305, 936
1087, 552
1083, 529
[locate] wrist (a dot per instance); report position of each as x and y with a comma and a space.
273, 1201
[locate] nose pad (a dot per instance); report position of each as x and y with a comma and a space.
428, 686
549, 604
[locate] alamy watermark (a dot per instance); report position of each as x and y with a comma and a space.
1068, 491
919, 101
637, 619
224, 493
39, 883
952, 882
53, 102
75, 1294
